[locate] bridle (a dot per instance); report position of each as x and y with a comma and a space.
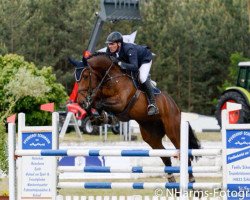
91, 93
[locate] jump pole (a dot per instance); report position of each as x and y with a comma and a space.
12, 160
184, 161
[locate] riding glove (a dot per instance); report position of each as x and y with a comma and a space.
114, 59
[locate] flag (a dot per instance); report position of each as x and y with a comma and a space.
47, 107
11, 119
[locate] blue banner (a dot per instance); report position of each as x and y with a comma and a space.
239, 155
37, 140
238, 191
237, 139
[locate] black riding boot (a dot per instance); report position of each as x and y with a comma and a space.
152, 107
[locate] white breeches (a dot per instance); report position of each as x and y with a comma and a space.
144, 71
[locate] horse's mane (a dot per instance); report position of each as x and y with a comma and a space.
99, 54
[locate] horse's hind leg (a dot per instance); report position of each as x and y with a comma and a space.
155, 141
172, 130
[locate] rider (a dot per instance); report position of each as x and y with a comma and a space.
134, 58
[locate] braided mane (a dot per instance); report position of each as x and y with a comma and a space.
99, 54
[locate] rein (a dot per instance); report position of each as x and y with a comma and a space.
91, 93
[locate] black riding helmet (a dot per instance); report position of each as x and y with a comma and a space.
114, 37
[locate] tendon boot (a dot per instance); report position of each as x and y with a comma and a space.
152, 107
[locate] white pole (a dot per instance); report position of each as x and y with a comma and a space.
224, 122
125, 131
55, 145
55, 135
105, 132
129, 132
184, 161
100, 132
12, 162
20, 127
120, 130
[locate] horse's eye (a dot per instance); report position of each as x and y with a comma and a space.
85, 77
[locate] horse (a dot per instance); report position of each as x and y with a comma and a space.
103, 85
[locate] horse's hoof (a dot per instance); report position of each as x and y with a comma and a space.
171, 179
191, 179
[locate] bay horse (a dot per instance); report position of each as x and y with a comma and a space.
103, 84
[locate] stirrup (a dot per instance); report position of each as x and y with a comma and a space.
152, 109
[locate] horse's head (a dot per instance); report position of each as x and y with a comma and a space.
92, 77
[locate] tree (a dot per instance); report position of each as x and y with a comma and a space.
192, 40
24, 88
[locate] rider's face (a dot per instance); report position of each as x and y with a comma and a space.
113, 47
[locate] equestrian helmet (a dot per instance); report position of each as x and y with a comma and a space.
114, 37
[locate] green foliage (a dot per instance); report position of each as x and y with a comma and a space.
24, 88
3, 149
233, 68
192, 39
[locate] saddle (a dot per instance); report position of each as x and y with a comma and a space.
137, 84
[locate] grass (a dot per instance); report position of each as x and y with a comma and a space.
3, 186
209, 136
73, 137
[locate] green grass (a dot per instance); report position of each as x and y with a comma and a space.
73, 137
3, 185
209, 136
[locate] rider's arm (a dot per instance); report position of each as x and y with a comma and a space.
133, 60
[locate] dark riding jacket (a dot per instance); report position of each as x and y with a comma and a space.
132, 54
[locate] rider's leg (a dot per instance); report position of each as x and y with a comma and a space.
147, 87
152, 107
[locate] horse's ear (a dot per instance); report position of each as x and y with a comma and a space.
77, 64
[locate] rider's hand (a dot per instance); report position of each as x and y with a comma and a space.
118, 62
122, 66
114, 60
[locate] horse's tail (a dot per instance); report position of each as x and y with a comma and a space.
194, 143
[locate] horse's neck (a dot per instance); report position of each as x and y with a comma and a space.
119, 90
